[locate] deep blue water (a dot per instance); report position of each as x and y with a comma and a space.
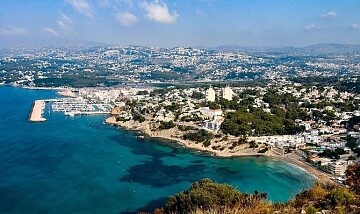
80, 165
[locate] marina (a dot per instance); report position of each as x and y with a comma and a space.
79, 106
69, 106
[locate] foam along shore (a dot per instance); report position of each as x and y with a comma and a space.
37, 111
225, 152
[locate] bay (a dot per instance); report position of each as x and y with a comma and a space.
81, 165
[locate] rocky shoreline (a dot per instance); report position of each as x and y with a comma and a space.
223, 150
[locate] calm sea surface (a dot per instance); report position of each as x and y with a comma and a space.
80, 165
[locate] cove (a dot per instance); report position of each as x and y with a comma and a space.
81, 165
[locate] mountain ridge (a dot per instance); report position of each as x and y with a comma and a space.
323, 48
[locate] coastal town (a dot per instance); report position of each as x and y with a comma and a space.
317, 128
110, 65
180, 107
297, 105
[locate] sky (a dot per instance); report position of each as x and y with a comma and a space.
172, 23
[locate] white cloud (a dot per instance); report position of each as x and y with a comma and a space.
158, 11
81, 6
329, 15
355, 26
310, 27
13, 31
126, 19
65, 24
50, 31
115, 4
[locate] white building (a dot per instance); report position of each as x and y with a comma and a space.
210, 113
214, 124
227, 93
338, 167
313, 137
210, 95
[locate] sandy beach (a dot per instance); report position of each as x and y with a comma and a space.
67, 93
222, 146
37, 111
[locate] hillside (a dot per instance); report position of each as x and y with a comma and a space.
311, 49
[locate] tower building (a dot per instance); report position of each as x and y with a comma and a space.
210, 95
227, 93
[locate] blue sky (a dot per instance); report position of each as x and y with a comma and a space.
169, 23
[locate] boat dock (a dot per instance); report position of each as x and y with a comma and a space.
79, 106
69, 106
37, 111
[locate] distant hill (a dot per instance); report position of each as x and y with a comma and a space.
315, 49
331, 48
28, 43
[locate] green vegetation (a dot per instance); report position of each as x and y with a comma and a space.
197, 95
273, 98
333, 198
192, 117
173, 107
351, 158
166, 125
263, 150
257, 122
249, 120
226, 104
348, 84
355, 120
344, 105
242, 140
137, 116
333, 154
144, 92
349, 105
165, 76
199, 136
161, 92
206, 196
185, 128
77, 81
351, 143
118, 118
213, 105
252, 144
325, 115
206, 143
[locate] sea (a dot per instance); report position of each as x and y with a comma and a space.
81, 165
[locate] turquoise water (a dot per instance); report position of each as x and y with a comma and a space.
80, 165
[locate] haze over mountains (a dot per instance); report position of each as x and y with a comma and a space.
311, 49
40, 43
314, 49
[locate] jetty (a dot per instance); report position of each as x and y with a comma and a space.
37, 111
